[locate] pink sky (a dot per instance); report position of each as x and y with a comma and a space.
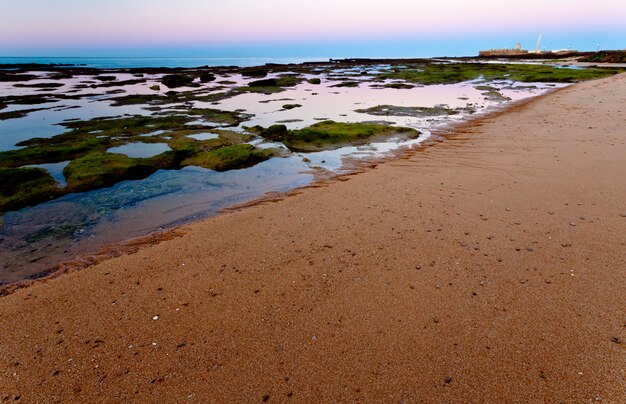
135, 22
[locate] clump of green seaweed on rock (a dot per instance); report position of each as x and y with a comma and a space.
449, 73
329, 135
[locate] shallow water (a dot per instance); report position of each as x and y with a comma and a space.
34, 239
75, 224
140, 150
55, 170
204, 136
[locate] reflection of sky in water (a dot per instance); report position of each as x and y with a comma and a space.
204, 136
44, 124
55, 170
140, 150
339, 104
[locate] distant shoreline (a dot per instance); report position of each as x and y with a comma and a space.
138, 63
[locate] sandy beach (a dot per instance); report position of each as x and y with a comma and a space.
487, 267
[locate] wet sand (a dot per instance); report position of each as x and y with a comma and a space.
488, 267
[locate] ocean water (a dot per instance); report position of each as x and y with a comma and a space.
130, 62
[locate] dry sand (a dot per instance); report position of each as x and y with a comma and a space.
486, 268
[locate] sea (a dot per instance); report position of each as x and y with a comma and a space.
143, 62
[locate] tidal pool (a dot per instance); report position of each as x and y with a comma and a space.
34, 239
140, 150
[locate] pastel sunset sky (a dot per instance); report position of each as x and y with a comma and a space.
292, 28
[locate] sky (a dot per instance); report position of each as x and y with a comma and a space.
293, 28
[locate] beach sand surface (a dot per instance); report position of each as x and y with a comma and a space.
489, 267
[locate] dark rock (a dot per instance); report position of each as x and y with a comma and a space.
275, 133
263, 83
40, 85
206, 77
176, 80
106, 78
254, 73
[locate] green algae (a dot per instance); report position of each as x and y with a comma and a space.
328, 135
449, 73
21, 113
492, 93
226, 118
231, 136
171, 97
98, 169
25, 186
420, 112
495, 95
267, 86
314, 80
187, 147
43, 151
347, 84
291, 106
272, 85
230, 157
275, 133
289, 80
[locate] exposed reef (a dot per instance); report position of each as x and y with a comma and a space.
176, 80
230, 157
448, 73
420, 112
328, 135
24, 186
